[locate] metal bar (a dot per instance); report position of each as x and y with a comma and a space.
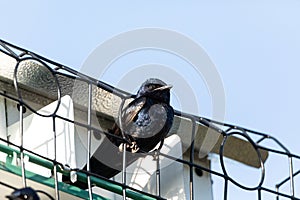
124, 150
124, 172
3, 118
158, 193
277, 190
292, 190
192, 150
191, 185
21, 146
225, 189
259, 194
55, 158
9, 50
89, 135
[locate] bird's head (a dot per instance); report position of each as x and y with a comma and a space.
156, 89
23, 194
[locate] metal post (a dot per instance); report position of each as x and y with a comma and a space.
21, 147
259, 194
225, 189
192, 148
89, 140
55, 157
124, 150
124, 171
3, 129
277, 190
156, 157
191, 183
292, 190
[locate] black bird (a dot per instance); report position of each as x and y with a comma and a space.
145, 122
24, 194
147, 119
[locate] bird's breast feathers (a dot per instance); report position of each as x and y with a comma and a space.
144, 119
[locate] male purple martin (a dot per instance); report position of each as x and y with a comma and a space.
147, 119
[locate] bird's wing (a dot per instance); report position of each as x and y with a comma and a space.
127, 116
150, 122
151, 126
131, 111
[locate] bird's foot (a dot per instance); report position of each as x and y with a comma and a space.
134, 148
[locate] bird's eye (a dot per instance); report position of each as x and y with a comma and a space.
150, 87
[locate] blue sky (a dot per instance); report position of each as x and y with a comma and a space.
254, 45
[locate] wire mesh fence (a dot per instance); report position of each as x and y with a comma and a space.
35, 82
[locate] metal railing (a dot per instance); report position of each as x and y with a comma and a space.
225, 130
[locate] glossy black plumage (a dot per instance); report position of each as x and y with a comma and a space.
145, 122
147, 119
24, 194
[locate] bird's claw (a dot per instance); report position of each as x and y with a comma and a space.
133, 147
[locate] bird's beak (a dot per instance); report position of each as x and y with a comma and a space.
165, 87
